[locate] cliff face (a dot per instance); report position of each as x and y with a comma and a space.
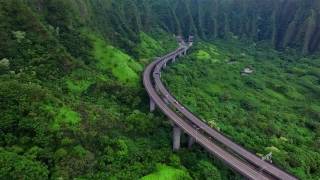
285, 23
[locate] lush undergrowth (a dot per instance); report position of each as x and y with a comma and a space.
111, 59
275, 108
167, 173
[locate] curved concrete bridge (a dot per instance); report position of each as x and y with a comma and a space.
182, 120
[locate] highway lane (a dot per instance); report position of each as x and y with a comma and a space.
226, 157
259, 165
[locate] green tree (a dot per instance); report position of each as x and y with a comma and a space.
14, 166
205, 170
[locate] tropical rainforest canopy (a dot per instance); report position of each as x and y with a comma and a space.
72, 105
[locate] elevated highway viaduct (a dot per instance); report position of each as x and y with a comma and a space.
182, 120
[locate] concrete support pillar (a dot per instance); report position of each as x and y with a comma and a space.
164, 65
176, 137
166, 100
191, 141
152, 105
174, 59
157, 88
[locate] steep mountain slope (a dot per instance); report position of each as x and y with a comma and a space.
286, 23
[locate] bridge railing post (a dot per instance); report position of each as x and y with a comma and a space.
176, 137
152, 105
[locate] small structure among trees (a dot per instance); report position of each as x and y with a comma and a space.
247, 71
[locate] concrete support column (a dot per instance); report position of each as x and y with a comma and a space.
157, 88
174, 59
152, 105
176, 137
191, 141
164, 65
166, 100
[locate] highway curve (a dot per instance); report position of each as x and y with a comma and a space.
232, 154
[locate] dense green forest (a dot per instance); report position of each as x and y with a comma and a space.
72, 105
